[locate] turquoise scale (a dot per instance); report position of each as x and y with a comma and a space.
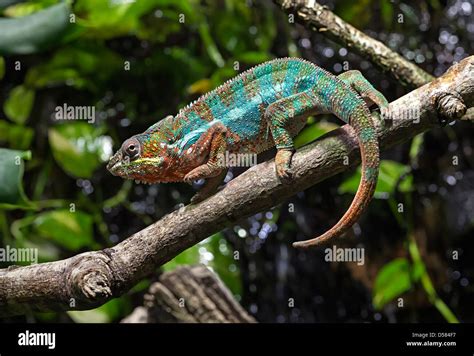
243, 116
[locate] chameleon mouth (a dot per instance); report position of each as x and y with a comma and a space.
114, 163
155, 162
143, 177
113, 168
125, 168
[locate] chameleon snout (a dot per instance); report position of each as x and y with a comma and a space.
114, 162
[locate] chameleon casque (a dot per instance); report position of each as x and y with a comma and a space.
263, 107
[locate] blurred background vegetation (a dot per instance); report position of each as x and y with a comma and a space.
138, 61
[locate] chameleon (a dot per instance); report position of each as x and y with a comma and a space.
263, 107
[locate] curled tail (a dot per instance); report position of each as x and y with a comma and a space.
362, 123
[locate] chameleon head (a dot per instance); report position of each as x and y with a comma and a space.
140, 159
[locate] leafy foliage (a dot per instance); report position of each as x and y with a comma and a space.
392, 280
216, 253
35, 32
19, 104
12, 194
76, 225
390, 179
79, 148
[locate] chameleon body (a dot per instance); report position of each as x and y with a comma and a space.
263, 107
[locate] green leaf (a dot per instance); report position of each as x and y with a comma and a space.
111, 311
17, 136
419, 269
389, 175
187, 257
435, 4
312, 132
81, 66
106, 19
220, 75
406, 185
96, 316
253, 57
224, 264
200, 86
27, 8
35, 32
79, 148
2, 68
210, 45
48, 251
19, 104
72, 230
357, 13
12, 195
392, 280
416, 146
386, 9
216, 253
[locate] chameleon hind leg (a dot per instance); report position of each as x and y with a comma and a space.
281, 116
212, 144
362, 86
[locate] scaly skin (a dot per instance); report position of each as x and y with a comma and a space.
263, 107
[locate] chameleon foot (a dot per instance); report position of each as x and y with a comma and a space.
215, 178
203, 171
199, 197
283, 164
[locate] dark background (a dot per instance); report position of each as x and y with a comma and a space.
136, 62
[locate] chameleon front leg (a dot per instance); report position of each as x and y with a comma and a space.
362, 86
213, 144
279, 116
209, 187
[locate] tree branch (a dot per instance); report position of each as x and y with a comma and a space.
320, 19
189, 294
90, 279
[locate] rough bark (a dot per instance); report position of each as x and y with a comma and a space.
320, 19
189, 294
92, 278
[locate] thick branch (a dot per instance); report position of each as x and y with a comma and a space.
320, 18
189, 294
90, 279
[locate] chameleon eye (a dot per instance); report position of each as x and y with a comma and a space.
131, 148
